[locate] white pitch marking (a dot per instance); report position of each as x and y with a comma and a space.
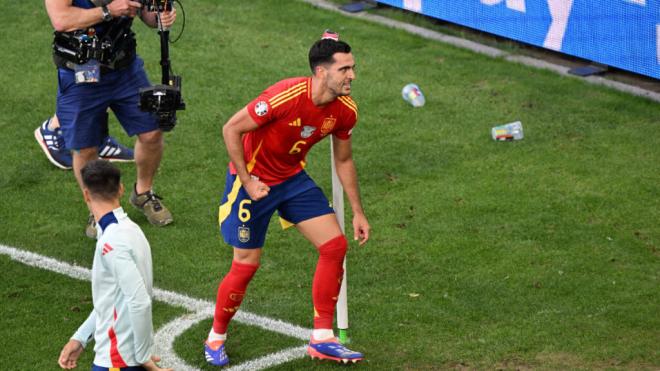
169, 297
270, 324
165, 336
40, 261
181, 300
202, 309
285, 355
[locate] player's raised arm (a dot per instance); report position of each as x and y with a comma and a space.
232, 133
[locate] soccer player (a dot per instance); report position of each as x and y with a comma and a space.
267, 142
122, 282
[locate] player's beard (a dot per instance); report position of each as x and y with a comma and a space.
343, 89
346, 88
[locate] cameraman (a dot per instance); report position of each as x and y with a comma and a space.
111, 78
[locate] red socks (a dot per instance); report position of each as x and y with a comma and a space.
325, 287
327, 281
230, 294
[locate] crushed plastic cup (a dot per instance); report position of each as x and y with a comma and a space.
413, 94
510, 131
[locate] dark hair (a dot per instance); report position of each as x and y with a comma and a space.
101, 178
323, 50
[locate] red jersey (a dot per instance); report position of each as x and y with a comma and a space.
289, 125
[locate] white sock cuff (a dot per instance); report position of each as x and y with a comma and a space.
214, 336
322, 334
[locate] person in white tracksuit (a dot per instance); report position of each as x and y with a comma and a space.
122, 282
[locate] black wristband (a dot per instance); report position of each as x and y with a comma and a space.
107, 17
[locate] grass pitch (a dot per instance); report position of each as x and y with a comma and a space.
541, 253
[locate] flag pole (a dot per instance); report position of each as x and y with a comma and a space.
338, 205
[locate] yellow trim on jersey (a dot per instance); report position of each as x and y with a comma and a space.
283, 95
350, 100
288, 97
114, 369
225, 209
350, 104
253, 161
287, 90
285, 223
309, 88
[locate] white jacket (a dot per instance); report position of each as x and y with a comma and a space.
122, 283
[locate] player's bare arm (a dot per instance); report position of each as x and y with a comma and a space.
347, 174
232, 133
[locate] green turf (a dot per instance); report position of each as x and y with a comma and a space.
541, 253
41, 311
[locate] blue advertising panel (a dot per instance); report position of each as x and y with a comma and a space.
619, 33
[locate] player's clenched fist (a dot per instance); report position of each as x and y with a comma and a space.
70, 354
256, 189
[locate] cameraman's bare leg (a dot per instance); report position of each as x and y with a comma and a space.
54, 123
148, 153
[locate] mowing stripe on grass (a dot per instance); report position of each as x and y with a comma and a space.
202, 309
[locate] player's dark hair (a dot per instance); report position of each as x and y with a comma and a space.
323, 50
102, 179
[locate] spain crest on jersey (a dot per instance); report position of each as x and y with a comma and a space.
243, 234
328, 125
